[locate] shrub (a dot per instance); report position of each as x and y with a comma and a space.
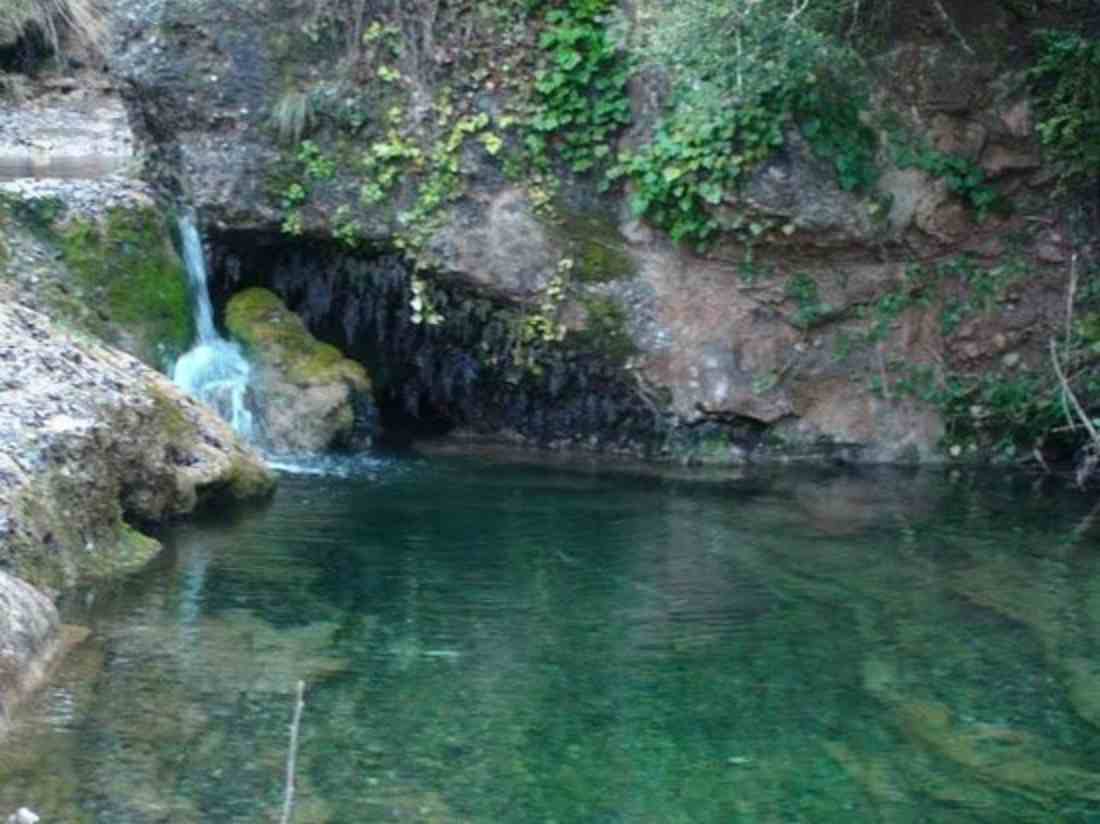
742, 73
1068, 102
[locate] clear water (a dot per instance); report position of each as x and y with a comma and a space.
487, 641
214, 370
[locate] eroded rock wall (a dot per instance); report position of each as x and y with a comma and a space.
832, 326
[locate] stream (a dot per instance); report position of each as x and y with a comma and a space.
489, 640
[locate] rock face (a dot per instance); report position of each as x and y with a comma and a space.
88, 436
810, 338
308, 390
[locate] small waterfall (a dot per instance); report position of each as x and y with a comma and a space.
214, 370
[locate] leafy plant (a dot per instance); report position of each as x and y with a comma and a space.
963, 176
317, 165
580, 88
811, 310
1068, 102
743, 75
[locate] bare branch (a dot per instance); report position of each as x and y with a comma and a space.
292, 754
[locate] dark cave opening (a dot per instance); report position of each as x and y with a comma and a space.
432, 379
328, 287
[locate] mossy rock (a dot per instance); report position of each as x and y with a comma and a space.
133, 285
606, 329
249, 481
271, 332
308, 390
596, 246
132, 552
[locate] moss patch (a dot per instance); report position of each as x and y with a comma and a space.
606, 329
133, 551
258, 319
249, 481
598, 250
133, 280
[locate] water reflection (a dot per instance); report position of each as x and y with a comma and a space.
505, 643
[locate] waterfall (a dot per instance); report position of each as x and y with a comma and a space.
214, 370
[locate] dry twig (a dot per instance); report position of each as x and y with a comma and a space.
292, 754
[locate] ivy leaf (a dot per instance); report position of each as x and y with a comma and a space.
672, 173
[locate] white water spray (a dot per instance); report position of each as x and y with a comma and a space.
214, 370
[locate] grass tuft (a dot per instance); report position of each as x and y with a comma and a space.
293, 117
80, 23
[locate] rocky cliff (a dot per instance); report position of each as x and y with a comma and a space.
907, 320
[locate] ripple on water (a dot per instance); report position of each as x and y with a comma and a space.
502, 642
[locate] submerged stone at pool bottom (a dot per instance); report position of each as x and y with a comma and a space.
502, 643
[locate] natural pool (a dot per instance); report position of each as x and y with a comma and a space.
488, 641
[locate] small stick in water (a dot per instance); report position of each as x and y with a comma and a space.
292, 755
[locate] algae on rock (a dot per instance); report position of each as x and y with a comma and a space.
309, 390
127, 269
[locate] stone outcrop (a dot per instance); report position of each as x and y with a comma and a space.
307, 390
778, 337
91, 440
89, 436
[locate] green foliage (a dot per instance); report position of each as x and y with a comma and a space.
811, 310
1068, 102
580, 88
1005, 412
127, 267
317, 166
743, 74
423, 305
540, 326
963, 177
345, 228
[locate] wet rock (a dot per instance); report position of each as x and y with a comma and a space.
29, 639
308, 390
120, 442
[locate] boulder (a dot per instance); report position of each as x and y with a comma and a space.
307, 389
91, 438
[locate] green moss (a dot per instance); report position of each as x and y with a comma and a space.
597, 248
170, 418
131, 553
606, 330
249, 480
130, 275
258, 319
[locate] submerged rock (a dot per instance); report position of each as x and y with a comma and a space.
308, 389
29, 638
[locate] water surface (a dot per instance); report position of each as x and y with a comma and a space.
493, 642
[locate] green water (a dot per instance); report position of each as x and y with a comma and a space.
486, 641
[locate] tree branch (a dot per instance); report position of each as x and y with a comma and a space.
292, 754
